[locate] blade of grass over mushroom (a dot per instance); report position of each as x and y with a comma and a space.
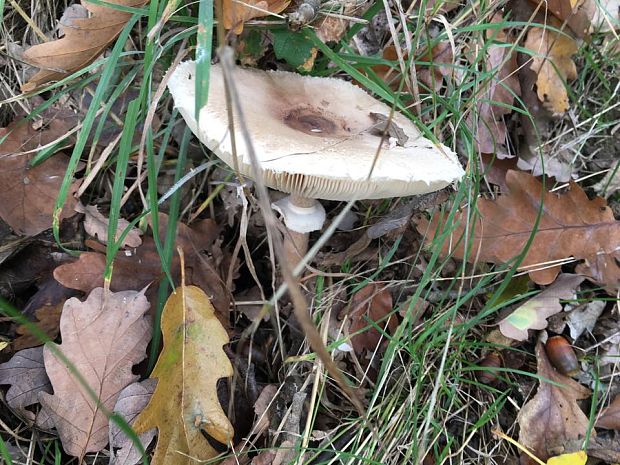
89, 119
8, 310
203, 53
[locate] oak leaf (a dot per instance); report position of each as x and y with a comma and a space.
131, 401
103, 337
237, 12
372, 304
28, 194
551, 60
185, 403
84, 40
96, 225
533, 314
140, 267
570, 225
490, 131
26, 374
609, 418
552, 417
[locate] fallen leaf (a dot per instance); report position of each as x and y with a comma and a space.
332, 28
26, 374
84, 40
48, 321
131, 401
573, 458
96, 225
185, 403
371, 304
552, 417
103, 337
533, 314
551, 60
46, 306
609, 418
237, 12
574, 13
28, 193
584, 318
604, 15
135, 269
609, 184
495, 102
570, 225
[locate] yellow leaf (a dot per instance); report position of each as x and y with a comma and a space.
574, 458
185, 402
551, 60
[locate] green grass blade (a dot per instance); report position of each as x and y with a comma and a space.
203, 53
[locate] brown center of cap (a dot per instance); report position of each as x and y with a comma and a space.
314, 122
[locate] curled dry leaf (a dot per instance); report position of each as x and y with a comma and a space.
96, 225
26, 374
103, 337
609, 418
28, 193
370, 305
131, 401
84, 40
570, 225
552, 417
185, 403
533, 314
551, 60
237, 12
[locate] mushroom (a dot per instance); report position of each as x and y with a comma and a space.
315, 138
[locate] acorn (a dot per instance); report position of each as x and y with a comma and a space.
562, 356
491, 361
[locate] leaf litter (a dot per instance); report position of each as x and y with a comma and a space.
571, 227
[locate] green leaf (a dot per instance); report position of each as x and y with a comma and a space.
293, 47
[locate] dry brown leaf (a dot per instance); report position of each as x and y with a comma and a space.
552, 417
26, 375
570, 225
103, 337
551, 60
96, 225
577, 14
138, 268
237, 12
333, 28
131, 401
85, 39
533, 314
46, 306
490, 129
28, 193
372, 303
48, 321
609, 418
185, 402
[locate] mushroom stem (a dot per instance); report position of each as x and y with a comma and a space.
301, 216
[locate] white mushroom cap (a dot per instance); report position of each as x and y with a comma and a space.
313, 137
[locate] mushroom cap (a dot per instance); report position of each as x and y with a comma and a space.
313, 136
